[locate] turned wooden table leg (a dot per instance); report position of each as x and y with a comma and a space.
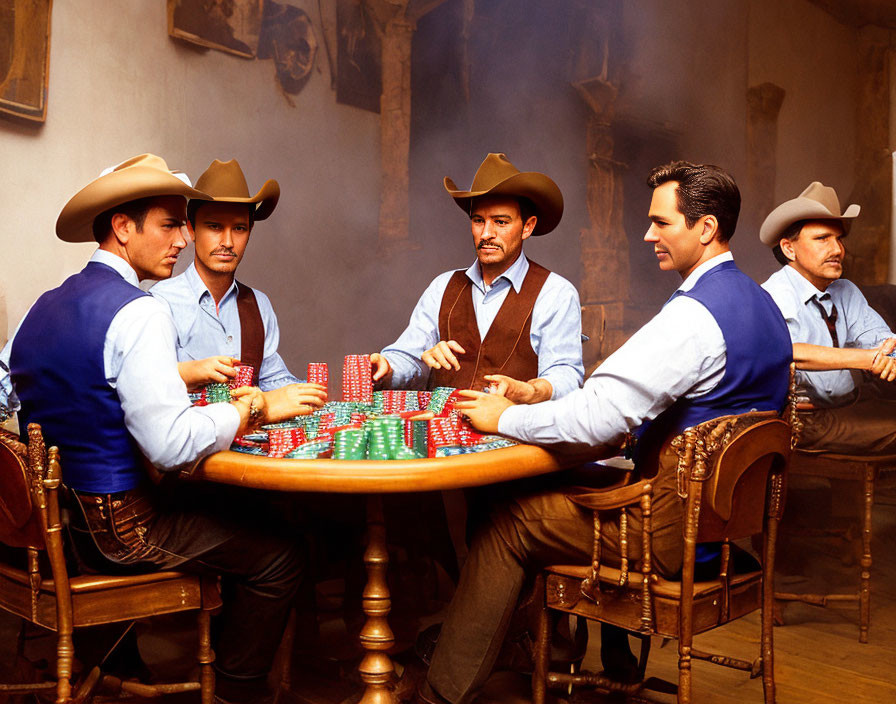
376, 636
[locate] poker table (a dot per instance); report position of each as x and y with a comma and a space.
375, 478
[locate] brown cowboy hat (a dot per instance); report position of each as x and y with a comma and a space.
496, 176
224, 182
139, 177
817, 202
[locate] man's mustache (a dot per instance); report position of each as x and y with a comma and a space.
489, 243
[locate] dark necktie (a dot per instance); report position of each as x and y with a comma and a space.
829, 319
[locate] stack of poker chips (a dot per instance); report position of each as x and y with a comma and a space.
284, 440
441, 400
244, 374
350, 444
395, 401
318, 373
310, 450
216, 393
386, 439
357, 382
423, 399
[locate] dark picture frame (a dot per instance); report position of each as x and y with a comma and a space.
231, 26
25, 58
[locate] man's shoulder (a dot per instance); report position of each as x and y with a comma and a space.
171, 286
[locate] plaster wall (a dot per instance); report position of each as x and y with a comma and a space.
119, 86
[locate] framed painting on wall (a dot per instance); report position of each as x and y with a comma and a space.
24, 57
227, 25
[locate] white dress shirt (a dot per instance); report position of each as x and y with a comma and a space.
140, 363
555, 331
680, 352
857, 325
206, 330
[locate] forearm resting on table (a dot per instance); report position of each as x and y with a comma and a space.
543, 390
815, 358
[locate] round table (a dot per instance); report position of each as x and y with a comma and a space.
375, 478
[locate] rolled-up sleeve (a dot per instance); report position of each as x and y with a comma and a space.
556, 335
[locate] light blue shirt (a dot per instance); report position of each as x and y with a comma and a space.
680, 352
206, 331
858, 325
140, 364
555, 331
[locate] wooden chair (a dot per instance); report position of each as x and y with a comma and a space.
731, 479
860, 468
53, 599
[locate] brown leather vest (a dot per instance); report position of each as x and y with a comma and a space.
506, 349
251, 329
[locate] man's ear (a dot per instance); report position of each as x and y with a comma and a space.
710, 229
123, 227
787, 247
529, 226
190, 233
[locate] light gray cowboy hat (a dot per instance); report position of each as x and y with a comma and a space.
817, 202
139, 177
496, 176
224, 182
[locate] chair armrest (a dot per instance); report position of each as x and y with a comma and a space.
614, 497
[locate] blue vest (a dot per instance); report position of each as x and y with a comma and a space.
758, 356
58, 373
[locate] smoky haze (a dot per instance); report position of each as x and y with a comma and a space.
679, 97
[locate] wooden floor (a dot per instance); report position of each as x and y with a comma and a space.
818, 657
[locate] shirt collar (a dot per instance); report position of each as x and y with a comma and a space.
516, 274
695, 275
804, 288
197, 285
101, 256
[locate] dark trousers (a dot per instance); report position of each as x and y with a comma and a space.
865, 426
520, 536
201, 530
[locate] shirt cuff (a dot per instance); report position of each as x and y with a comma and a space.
512, 421
227, 421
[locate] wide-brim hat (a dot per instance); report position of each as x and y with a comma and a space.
496, 176
817, 202
224, 182
141, 176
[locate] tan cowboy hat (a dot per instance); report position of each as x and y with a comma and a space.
817, 202
224, 182
497, 176
139, 177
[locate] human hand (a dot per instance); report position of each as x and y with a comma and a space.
251, 404
381, 367
211, 370
442, 355
294, 400
483, 410
532, 391
883, 366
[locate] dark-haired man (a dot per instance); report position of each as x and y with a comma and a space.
719, 346
504, 321
219, 320
93, 362
836, 334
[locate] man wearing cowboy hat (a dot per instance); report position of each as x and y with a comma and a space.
93, 362
504, 321
836, 334
219, 320
718, 347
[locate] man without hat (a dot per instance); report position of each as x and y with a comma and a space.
93, 362
221, 321
718, 347
836, 335
504, 321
